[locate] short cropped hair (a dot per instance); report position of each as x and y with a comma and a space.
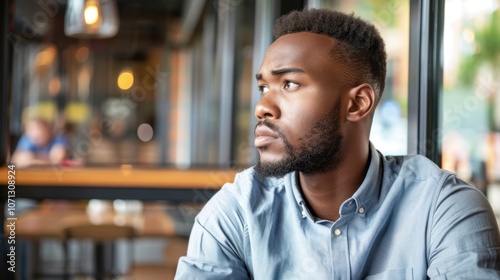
358, 44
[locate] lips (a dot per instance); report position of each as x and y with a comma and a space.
264, 136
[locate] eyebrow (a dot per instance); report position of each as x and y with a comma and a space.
281, 71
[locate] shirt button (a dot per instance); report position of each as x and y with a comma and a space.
337, 232
361, 210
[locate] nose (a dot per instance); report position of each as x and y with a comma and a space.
267, 107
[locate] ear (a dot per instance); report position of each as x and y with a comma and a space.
361, 102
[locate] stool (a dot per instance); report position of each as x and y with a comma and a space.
99, 234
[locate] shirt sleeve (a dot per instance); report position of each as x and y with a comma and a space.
60, 140
464, 238
215, 249
25, 144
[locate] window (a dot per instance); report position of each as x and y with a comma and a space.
389, 129
171, 88
471, 93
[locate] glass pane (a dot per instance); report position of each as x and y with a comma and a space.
149, 95
98, 93
471, 101
243, 113
389, 129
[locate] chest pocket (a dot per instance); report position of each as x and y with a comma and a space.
399, 274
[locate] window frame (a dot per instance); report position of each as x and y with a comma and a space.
425, 81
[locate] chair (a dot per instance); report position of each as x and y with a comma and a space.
99, 234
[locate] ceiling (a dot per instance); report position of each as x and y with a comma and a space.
142, 22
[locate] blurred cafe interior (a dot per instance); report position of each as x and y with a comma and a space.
148, 107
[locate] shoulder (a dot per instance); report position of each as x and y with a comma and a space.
249, 186
415, 167
24, 143
417, 176
234, 199
417, 171
448, 194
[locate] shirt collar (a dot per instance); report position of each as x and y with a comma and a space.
292, 179
366, 195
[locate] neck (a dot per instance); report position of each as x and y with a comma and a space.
325, 192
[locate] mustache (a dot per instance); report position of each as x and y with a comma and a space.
271, 126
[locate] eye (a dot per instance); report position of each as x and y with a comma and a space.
291, 85
263, 89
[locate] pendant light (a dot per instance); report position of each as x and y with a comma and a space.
91, 19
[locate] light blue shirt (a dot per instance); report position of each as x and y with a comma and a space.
26, 144
408, 220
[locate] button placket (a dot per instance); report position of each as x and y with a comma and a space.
340, 251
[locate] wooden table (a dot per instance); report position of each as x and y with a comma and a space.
124, 182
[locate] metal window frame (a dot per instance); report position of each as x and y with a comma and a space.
5, 66
425, 81
226, 45
5, 51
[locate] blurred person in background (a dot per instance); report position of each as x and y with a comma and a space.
39, 145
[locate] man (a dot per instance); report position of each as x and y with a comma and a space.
322, 202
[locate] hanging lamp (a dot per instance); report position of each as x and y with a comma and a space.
91, 19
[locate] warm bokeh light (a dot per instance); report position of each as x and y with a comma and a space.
125, 79
54, 86
82, 54
91, 12
145, 132
46, 58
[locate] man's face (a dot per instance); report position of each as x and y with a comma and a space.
300, 114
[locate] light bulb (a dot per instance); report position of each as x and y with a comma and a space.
91, 19
91, 12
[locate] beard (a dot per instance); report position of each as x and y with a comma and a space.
318, 151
